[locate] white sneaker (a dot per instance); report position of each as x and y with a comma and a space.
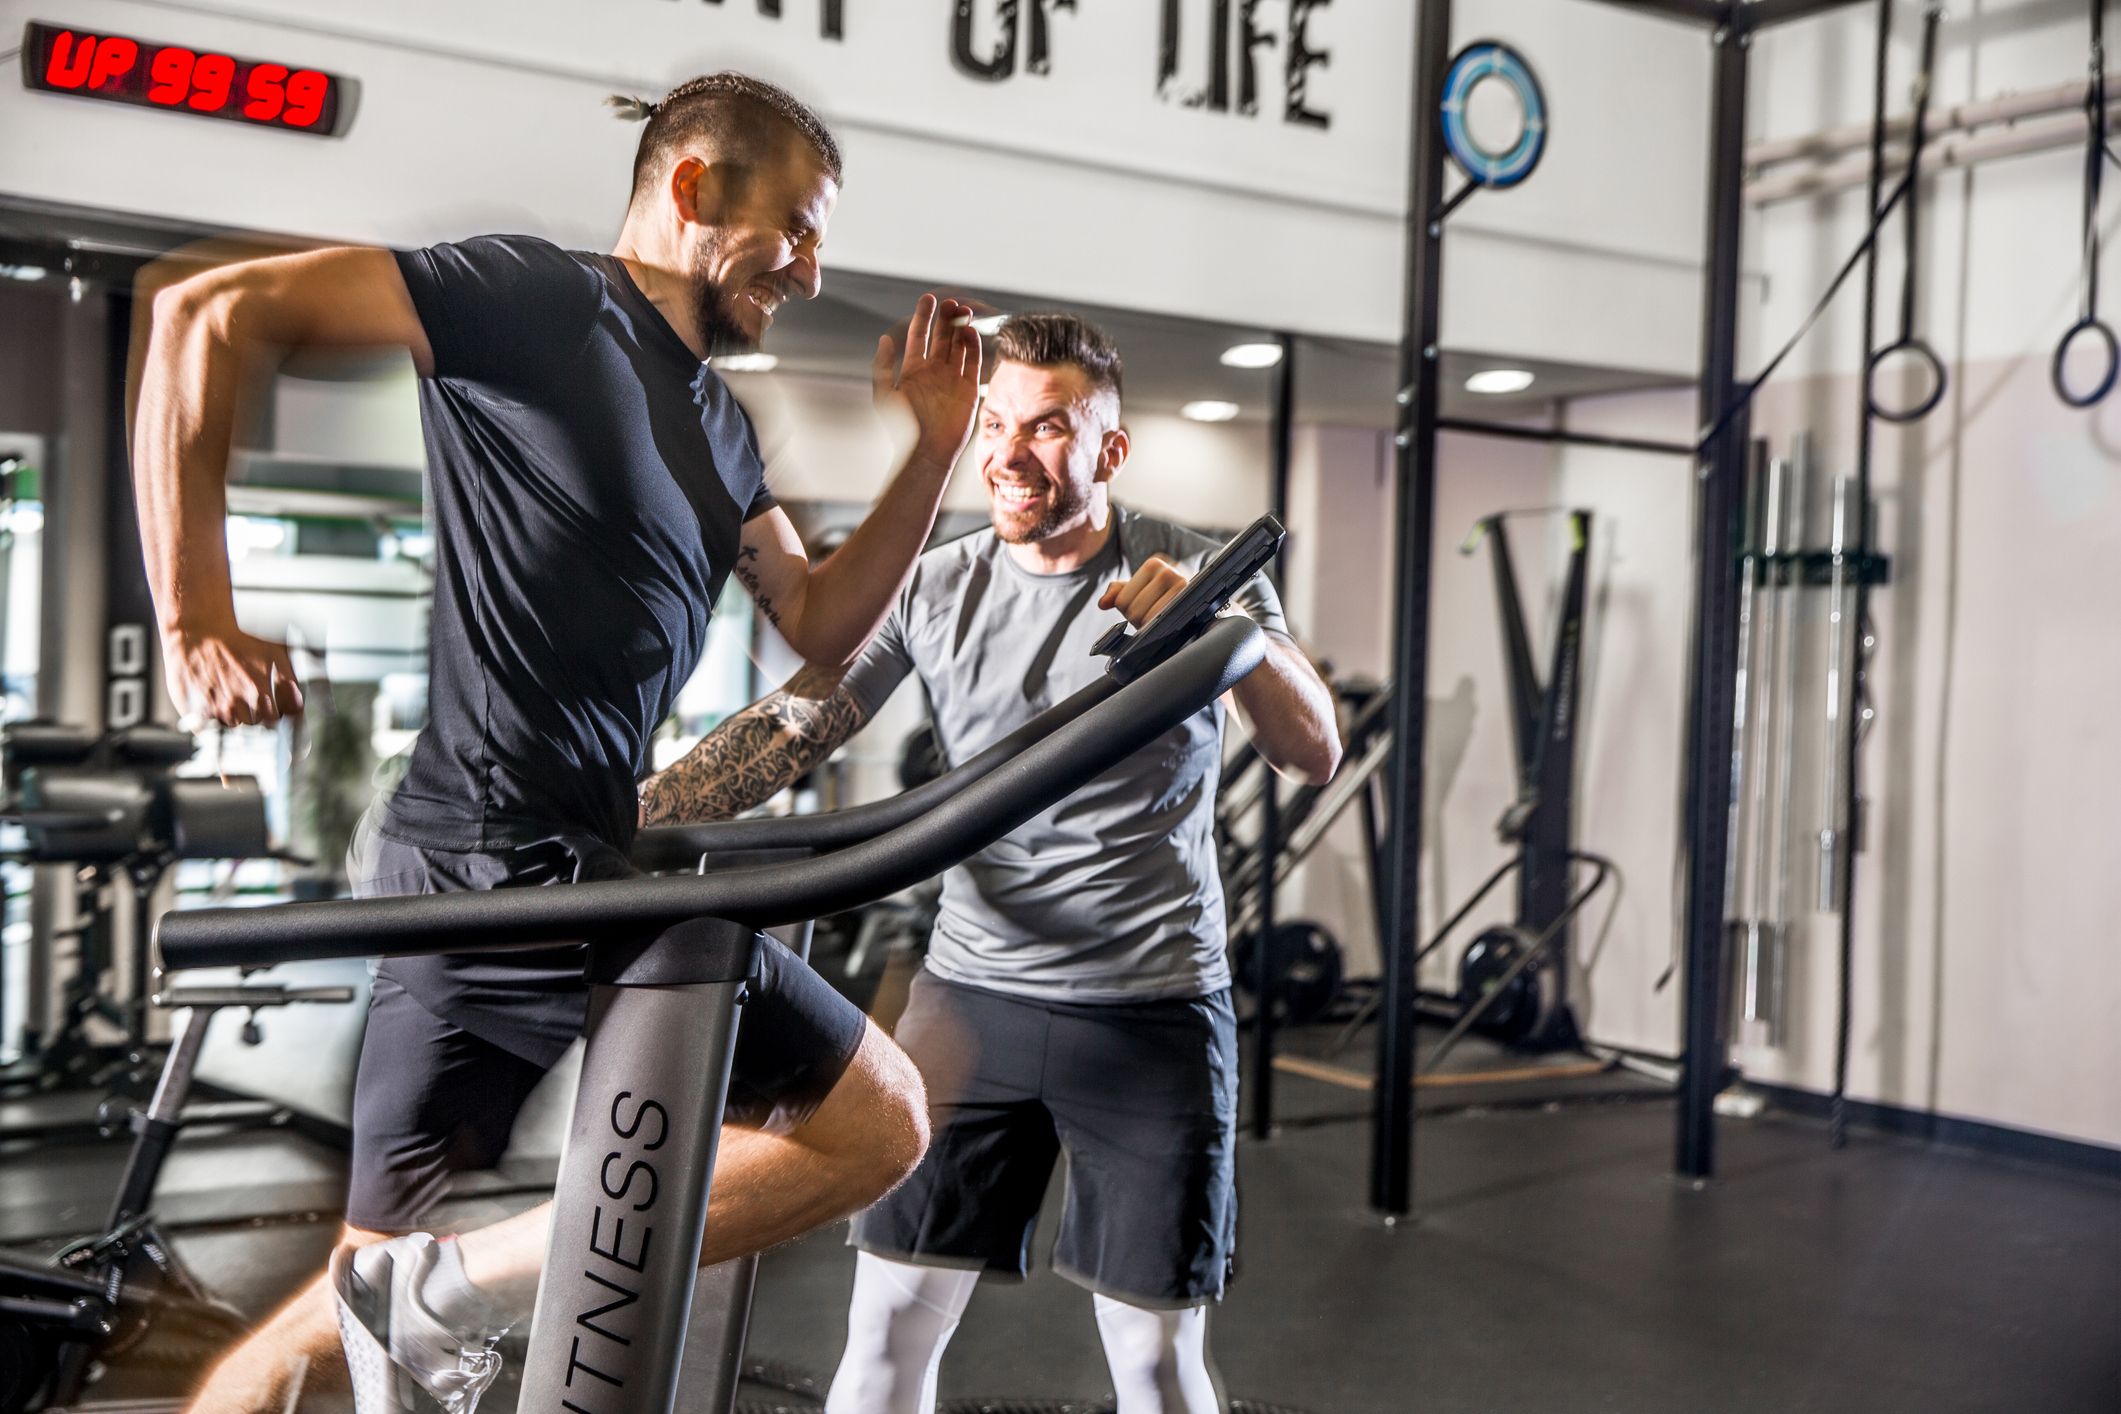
401, 1357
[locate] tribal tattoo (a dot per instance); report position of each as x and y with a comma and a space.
755, 754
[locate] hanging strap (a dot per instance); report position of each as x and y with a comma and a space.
1909, 344
2095, 157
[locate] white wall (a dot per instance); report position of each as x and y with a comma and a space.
1630, 739
1985, 983
1081, 184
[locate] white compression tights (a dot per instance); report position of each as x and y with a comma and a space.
903, 1315
1159, 1359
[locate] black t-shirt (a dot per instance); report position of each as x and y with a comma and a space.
589, 479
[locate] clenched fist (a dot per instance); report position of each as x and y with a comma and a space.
237, 679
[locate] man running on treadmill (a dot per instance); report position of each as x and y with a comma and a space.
1076, 995
593, 485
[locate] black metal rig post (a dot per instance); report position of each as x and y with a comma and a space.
1719, 498
1284, 434
1392, 1138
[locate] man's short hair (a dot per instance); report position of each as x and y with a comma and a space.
1051, 338
728, 117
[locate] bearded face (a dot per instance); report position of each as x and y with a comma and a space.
1042, 436
725, 325
755, 245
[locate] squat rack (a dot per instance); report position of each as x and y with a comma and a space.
1720, 477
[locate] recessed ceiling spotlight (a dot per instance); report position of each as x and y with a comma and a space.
26, 273
746, 363
1209, 410
1251, 355
1499, 380
989, 324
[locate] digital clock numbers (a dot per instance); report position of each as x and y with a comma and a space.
120, 69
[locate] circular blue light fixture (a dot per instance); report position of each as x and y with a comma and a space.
1483, 60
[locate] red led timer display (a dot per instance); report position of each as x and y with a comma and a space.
120, 69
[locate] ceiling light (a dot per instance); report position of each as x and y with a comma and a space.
23, 272
990, 324
1251, 355
1499, 380
746, 363
1209, 410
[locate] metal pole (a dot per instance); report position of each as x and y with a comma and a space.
1284, 434
1392, 1138
1511, 432
1851, 802
1714, 655
1782, 701
1744, 920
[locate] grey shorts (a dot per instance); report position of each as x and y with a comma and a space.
455, 1045
1141, 1097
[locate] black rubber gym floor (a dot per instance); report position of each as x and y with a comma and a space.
1555, 1265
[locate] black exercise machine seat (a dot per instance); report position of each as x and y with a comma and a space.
965, 810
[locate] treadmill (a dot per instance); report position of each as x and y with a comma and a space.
667, 958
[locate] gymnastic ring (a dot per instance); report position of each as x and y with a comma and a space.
1922, 409
1485, 59
2093, 324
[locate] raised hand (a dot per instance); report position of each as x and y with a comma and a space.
235, 678
934, 380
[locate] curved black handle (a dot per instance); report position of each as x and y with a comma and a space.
666, 847
1208, 591
1010, 793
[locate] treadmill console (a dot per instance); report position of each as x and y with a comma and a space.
1208, 592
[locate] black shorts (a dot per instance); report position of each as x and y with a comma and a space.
1142, 1096
454, 1046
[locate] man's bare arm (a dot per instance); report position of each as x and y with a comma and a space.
1287, 709
210, 336
755, 754
827, 612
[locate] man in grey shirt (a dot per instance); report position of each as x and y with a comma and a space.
1076, 995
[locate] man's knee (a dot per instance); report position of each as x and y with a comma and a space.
877, 1116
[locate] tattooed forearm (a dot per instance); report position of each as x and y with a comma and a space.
755, 754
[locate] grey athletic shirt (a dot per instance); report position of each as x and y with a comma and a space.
1113, 894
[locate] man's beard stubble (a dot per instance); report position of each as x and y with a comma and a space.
720, 332
1066, 505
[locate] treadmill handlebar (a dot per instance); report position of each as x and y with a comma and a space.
1133, 653
1005, 795
665, 847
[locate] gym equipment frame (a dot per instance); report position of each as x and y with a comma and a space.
1719, 460
668, 957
